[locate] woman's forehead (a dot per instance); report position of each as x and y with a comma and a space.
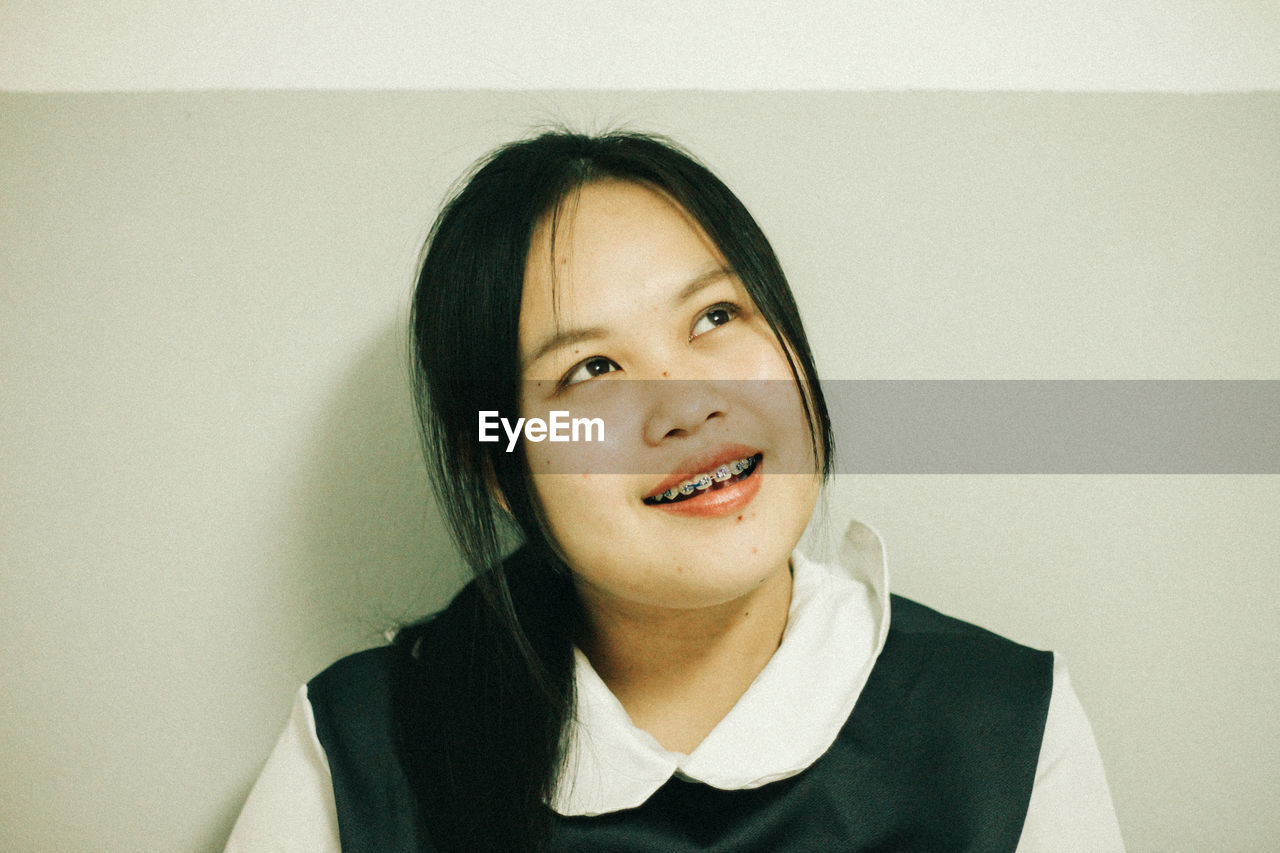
610, 241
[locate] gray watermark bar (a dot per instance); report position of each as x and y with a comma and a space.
922, 426
1056, 426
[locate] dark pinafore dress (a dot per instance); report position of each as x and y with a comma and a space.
939, 754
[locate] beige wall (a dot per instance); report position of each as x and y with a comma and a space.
995, 45
210, 477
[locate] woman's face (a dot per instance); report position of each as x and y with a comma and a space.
635, 320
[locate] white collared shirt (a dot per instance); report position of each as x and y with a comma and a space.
787, 718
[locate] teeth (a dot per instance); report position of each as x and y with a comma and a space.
703, 481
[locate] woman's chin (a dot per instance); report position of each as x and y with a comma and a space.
683, 585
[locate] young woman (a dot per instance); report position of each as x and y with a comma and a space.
644, 661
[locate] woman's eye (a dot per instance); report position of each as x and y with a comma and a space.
589, 369
716, 315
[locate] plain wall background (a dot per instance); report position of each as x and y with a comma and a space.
211, 485
1093, 45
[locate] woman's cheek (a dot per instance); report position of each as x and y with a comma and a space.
600, 434
589, 518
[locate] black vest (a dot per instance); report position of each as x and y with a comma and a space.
939, 754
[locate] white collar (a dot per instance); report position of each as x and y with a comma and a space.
789, 716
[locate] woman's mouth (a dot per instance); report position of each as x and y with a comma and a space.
723, 475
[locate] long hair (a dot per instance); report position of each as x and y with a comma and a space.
485, 718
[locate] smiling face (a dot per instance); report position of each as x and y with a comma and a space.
636, 291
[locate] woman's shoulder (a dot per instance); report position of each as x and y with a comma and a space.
352, 703
912, 617
362, 673
373, 672
359, 705
962, 665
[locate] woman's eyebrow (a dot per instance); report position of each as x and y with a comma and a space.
568, 337
702, 281
564, 338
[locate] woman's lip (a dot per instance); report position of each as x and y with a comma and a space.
714, 503
701, 463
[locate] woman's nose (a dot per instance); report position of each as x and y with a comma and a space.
680, 407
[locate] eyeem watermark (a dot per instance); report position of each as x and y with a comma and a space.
560, 427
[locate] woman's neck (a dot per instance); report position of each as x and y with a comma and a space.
678, 672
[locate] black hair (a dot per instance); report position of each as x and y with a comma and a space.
484, 734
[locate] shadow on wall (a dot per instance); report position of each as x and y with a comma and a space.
376, 552
363, 547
